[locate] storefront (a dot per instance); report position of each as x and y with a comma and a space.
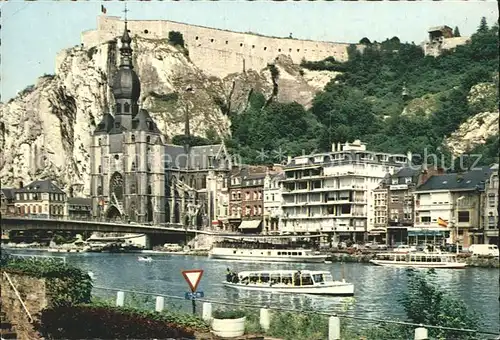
427, 236
397, 235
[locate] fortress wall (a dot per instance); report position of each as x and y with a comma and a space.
208, 45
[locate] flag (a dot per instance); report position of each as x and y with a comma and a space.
103, 9
442, 223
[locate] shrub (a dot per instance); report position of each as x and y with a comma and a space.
99, 322
66, 285
228, 314
175, 38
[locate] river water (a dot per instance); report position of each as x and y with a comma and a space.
377, 289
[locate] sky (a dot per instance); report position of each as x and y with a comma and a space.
32, 33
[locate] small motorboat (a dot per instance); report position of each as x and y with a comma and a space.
145, 258
290, 281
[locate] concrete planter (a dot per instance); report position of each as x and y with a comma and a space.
228, 328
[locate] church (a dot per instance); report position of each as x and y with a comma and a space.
137, 177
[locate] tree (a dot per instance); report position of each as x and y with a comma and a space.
456, 32
176, 38
483, 26
425, 303
365, 41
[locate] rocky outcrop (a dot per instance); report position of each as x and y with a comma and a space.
475, 131
45, 131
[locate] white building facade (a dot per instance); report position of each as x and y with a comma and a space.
491, 208
331, 192
272, 202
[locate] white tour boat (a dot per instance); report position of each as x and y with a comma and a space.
418, 260
265, 251
290, 281
267, 255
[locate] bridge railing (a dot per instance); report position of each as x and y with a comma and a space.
334, 325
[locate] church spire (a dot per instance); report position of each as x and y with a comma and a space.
126, 49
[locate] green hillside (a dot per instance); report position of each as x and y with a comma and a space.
367, 101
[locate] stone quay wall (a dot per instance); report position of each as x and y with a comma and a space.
220, 52
33, 293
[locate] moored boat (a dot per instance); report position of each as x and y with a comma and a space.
256, 251
290, 281
418, 260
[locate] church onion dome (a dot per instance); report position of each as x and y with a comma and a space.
126, 85
105, 125
143, 122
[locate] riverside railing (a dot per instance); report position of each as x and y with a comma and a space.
421, 330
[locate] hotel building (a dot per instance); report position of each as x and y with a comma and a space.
331, 192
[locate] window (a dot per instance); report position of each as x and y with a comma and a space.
99, 190
425, 219
148, 139
408, 180
394, 181
132, 138
118, 108
463, 216
99, 169
126, 107
491, 200
491, 221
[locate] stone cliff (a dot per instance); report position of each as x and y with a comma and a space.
45, 131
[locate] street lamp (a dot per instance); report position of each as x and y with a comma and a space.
456, 226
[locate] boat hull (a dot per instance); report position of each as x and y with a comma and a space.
400, 264
255, 258
337, 289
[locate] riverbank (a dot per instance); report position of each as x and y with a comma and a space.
472, 261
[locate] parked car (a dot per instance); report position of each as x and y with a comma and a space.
375, 245
484, 249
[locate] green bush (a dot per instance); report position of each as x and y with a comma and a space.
99, 322
176, 38
66, 285
228, 314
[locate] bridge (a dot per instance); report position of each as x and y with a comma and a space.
33, 223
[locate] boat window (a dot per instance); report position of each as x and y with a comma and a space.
306, 280
286, 279
275, 278
294, 253
254, 278
264, 278
289, 253
327, 277
318, 278
244, 279
300, 254
234, 251
279, 253
268, 253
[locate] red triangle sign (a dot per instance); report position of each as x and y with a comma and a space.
193, 278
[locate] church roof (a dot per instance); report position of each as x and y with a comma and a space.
105, 125
143, 122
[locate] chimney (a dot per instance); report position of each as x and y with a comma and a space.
333, 147
289, 160
339, 148
409, 155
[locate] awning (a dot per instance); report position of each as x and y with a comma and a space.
251, 224
427, 232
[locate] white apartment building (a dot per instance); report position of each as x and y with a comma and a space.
272, 201
330, 192
491, 208
456, 199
